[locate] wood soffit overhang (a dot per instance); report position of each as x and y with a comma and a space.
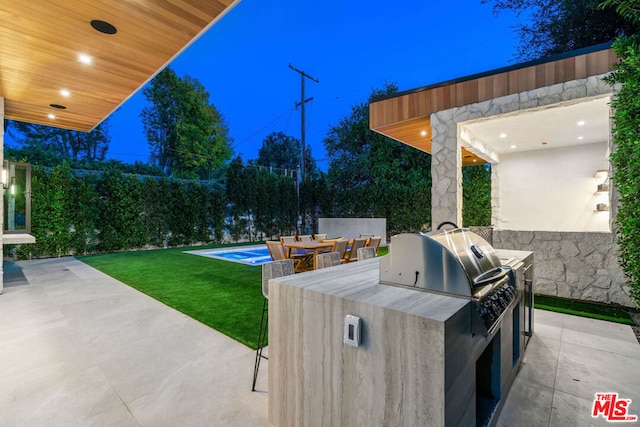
406, 116
41, 42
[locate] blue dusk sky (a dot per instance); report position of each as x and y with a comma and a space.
349, 46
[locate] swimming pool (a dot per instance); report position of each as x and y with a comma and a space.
248, 255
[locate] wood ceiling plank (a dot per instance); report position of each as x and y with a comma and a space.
41, 42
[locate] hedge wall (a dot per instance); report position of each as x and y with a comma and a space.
79, 213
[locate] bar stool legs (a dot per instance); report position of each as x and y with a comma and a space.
262, 339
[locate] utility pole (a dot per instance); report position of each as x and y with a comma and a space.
302, 102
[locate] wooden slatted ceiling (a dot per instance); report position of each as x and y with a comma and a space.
40, 42
412, 130
396, 117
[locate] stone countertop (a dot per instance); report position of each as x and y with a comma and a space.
505, 254
359, 281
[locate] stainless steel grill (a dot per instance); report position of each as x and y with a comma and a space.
454, 262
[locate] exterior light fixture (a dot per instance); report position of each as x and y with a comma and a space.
65, 92
423, 133
84, 58
4, 174
51, 116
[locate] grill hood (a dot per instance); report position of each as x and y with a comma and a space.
454, 261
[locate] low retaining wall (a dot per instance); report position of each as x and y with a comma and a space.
574, 265
353, 227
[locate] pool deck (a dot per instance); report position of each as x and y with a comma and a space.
79, 348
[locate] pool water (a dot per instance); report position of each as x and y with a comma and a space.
248, 255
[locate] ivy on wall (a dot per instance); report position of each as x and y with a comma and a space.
625, 159
476, 195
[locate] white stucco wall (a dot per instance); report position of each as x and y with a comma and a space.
353, 227
553, 190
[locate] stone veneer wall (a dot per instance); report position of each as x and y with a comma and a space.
446, 162
580, 265
572, 265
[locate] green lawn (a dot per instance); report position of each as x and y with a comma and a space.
584, 309
227, 296
224, 295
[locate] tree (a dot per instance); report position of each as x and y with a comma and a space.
557, 26
186, 134
374, 176
50, 142
283, 151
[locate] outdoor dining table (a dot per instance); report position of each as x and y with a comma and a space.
307, 258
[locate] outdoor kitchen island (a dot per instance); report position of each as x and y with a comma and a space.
417, 364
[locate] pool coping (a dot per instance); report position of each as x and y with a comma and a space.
210, 253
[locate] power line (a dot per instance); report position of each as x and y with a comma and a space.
266, 126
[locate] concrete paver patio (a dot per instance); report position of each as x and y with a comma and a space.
78, 348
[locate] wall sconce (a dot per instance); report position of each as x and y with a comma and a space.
4, 174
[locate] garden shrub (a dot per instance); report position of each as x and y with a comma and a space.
625, 158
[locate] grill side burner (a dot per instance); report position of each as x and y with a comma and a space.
454, 262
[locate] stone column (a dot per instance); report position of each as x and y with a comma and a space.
495, 193
446, 170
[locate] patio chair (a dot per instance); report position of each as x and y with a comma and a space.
288, 239
270, 270
320, 237
327, 259
276, 250
353, 253
366, 235
340, 246
304, 238
367, 252
374, 242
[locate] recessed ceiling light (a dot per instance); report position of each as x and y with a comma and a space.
475, 160
423, 133
580, 137
581, 123
513, 147
503, 135
51, 116
64, 92
58, 106
84, 58
103, 26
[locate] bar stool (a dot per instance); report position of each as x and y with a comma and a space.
327, 259
270, 270
367, 252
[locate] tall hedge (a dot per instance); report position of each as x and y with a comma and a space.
77, 213
625, 157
